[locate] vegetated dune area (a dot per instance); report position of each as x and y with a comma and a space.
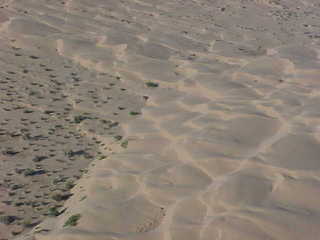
159, 120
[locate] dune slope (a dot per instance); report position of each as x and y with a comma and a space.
219, 116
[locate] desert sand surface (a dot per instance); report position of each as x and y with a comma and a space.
160, 120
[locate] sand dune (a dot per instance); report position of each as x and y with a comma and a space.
194, 119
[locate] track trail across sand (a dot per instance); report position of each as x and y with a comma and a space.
226, 142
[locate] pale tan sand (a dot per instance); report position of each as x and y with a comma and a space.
227, 145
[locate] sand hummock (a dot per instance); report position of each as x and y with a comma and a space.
162, 120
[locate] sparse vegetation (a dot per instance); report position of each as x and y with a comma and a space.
79, 118
7, 219
61, 197
28, 223
53, 212
83, 198
134, 113
84, 170
39, 158
69, 185
125, 143
118, 137
48, 112
152, 84
59, 180
72, 221
114, 124
33, 172
75, 153
102, 157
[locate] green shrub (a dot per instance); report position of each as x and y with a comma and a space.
53, 212
125, 143
152, 84
134, 113
72, 221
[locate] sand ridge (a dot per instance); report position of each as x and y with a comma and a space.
227, 144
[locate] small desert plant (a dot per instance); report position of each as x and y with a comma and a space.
72, 153
61, 197
134, 113
79, 119
152, 84
114, 124
69, 185
102, 157
53, 212
118, 137
59, 180
39, 158
30, 172
72, 221
28, 223
125, 143
84, 170
83, 198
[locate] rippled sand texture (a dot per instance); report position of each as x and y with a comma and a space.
226, 148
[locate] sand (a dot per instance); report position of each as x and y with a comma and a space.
162, 120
